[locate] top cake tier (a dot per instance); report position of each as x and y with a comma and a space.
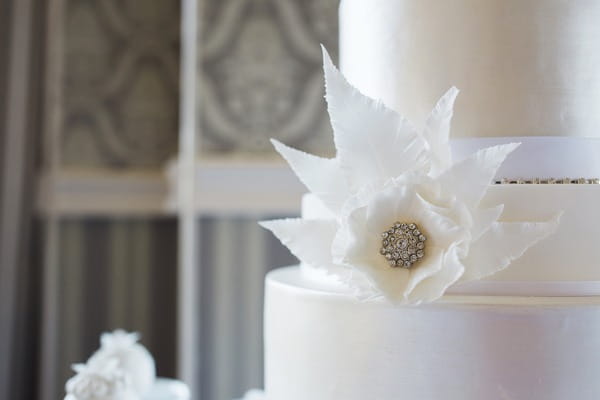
524, 67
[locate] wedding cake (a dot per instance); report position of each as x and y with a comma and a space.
459, 269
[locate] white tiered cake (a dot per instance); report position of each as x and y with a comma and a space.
529, 73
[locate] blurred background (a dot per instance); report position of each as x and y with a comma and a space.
135, 163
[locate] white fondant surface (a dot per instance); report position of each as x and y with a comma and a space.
324, 345
524, 67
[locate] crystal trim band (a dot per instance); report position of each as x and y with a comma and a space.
548, 181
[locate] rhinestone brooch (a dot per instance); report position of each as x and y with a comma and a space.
403, 245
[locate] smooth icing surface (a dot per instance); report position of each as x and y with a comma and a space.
524, 67
325, 344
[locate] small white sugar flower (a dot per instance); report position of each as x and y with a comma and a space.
133, 358
104, 381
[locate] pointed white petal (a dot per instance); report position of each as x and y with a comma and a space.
322, 176
309, 240
483, 219
437, 131
503, 243
373, 141
470, 178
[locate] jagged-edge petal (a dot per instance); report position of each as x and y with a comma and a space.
322, 176
308, 239
373, 141
503, 243
470, 178
437, 131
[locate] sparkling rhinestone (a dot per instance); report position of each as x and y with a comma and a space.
403, 244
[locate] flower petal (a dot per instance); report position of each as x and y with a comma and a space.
309, 240
503, 243
470, 178
435, 286
431, 265
373, 141
354, 245
322, 176
437, 131
483, 219
438, 224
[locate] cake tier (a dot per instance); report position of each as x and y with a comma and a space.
524, 67
323, 345
567, 263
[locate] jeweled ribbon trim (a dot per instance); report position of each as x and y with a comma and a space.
548, 181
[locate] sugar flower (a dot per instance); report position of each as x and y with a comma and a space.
407, 218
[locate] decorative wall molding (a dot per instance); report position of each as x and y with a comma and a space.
234, 188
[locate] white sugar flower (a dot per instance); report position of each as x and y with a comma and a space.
100, 381
407, 218
133, 358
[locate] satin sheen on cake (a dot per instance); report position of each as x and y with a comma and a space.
525, 68
326, 344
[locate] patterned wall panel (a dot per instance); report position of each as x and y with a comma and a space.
120, 88
262, 76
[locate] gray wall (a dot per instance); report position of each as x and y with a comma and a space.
260, 77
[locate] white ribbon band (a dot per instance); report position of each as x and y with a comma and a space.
526, 288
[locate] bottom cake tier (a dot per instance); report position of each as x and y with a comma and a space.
321, 343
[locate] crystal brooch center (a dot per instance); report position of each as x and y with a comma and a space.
403, 245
